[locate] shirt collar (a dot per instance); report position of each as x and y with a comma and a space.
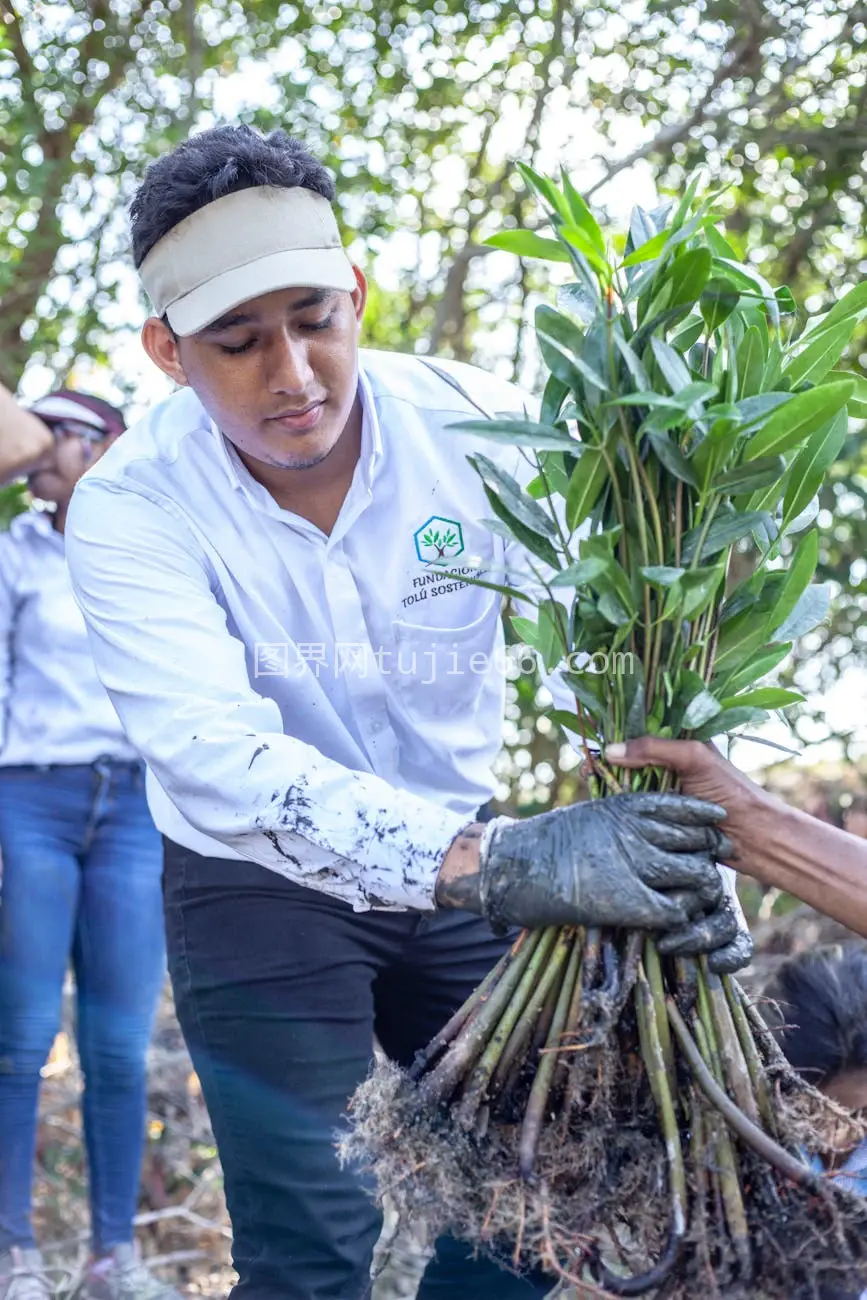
35, 521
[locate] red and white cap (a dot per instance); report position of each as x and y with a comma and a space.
80, 408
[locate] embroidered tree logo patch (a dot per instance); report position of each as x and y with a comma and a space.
438, 539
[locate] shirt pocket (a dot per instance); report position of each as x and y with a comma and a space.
441, 674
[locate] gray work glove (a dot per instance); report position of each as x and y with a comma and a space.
638, 861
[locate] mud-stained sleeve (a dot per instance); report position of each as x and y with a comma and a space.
179, 682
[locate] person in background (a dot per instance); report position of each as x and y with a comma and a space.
81, 869
817, 1007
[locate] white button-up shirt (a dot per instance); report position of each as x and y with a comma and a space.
327, 706
53, 708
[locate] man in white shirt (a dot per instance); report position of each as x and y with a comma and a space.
319, 706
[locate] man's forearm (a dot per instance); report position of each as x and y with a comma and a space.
23, 437
818, 863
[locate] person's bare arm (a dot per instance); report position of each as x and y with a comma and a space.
776, 844
23, 437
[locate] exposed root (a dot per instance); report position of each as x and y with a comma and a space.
597, 1210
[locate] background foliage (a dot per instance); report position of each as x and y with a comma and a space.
423, 110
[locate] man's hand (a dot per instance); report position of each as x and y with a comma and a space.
705, 774
641, 861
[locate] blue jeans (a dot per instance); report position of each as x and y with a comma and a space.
82, 866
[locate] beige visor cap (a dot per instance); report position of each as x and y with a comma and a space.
239, 247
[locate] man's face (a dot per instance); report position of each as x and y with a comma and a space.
55, 474
278, 375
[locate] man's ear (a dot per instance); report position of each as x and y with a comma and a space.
161, 345
359, 294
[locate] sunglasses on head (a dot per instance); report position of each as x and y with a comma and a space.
74, 429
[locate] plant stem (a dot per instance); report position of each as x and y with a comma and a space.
751, 1055
535, 1114
470, 1043
554, 515
522, 1009
749, 1133
657, 1073
732, 1058
653, 969
474, 1002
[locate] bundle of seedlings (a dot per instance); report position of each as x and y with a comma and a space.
623, 1119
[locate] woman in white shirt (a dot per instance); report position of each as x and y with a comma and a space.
81, 863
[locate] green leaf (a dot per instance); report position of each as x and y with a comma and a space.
719, 246
674, 369
757, 666
586, 687
525, 243
518, 433
673, 458
553, 397
633, 363
518, 502
785, 301
687, 334
811, 466
857, 404
702, 707
571, 722
766, 697
515, 530
718, 300
641, 228
581, 215
528, 631
689, 275
728, 720
579, 239
750, 362
811, 610
793, 423
613, 610
699, 586
560, 341
546, 189
647, 251
852, 305
814, 361
551, 466
574, 299
512, 592
724, 531
582, 572
661, 575
588, 479
750, 281
753, 409
751, 476
635, 700
553, 620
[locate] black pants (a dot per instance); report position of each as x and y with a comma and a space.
279, 991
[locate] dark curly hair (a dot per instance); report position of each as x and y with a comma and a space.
209, 166
822, 1003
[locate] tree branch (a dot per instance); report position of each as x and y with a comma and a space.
662, 142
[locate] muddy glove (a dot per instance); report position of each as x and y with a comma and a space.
723, 934
641, 861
